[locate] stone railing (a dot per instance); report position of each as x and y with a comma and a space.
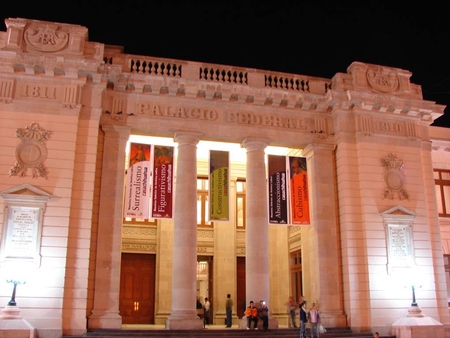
197, 71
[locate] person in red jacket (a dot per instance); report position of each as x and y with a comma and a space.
252, 316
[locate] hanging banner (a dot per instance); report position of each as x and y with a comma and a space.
219, 185
162, 197
299, 191
137, 186
277, 185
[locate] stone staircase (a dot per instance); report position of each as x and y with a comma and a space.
234, 333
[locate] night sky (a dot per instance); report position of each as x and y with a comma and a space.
315, 38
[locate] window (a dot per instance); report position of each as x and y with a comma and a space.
442, 185
202, 203
240, 204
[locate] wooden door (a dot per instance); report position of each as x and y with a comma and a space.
241, 303
137, 289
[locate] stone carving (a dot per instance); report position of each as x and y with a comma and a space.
46, 38
31, 152
382, 81
393, 178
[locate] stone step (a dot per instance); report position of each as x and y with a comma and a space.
223, 333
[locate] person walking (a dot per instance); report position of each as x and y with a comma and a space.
303, 319
314, 318
207, 307
252, 316
263, 313
292, 307
228, 310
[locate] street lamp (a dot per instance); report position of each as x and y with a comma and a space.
16, 282
414, 303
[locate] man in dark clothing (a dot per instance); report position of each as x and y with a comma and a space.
303, 320
263, 313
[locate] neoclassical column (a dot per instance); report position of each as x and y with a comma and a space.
183, 315
322, 256
105, 313
257, 276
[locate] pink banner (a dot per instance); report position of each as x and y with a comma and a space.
137, 186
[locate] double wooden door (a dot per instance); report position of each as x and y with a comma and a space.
137, 289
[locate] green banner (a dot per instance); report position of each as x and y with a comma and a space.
219, 209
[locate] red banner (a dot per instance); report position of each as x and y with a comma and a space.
162, 198
299, 191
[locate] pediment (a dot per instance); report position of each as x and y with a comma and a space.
25, 192
398, 212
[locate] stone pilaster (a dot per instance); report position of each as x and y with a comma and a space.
184, 274
323, 276
105, 313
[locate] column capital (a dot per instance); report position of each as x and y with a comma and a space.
309, 150
254, 143
186, 138
123, 131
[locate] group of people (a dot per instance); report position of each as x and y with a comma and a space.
312, 316
254, 313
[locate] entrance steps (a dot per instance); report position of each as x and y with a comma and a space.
221, 333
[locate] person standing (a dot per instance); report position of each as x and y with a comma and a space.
252, 316
292, 306
303, 319
206, 307
314, 318
229, 309
263, 313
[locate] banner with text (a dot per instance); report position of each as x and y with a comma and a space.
137, 186
278, 195
162, 197
299, 199
219, 185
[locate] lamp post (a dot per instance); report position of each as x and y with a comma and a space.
414, 303
12, 302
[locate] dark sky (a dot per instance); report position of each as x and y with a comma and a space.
315, 38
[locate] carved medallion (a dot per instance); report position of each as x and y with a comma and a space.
393, 178
382, 81
31, 152
46, 38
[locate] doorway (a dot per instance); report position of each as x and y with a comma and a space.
137, 288
205, 282
241, 302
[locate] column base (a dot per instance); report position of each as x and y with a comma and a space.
187, 323
17, 328
104, 321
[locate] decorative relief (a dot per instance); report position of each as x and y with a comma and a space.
46, 38
393, 178
205, 233
6, 90
137, 247
31, 152
139, 231
382, 80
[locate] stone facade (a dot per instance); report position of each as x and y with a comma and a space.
68, 107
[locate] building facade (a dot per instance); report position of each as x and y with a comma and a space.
378, 177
